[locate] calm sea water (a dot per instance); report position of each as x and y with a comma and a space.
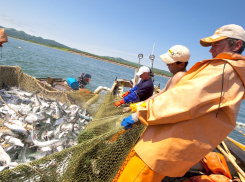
41, 61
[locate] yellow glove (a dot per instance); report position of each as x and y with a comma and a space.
134, 106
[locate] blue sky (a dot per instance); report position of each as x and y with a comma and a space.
124, 28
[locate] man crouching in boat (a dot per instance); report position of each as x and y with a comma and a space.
188, 121
141, 91
80, 82
176, 59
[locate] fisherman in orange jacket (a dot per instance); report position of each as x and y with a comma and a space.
188, 121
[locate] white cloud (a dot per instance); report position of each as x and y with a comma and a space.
12, 23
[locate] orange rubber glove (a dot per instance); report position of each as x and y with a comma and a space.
118, 103
125, 94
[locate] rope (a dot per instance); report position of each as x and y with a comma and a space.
221, 90
44, 178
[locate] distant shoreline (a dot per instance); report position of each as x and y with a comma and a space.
106, 60
93, 57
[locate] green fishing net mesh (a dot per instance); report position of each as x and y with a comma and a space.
102, 146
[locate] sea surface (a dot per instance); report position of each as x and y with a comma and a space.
40, 61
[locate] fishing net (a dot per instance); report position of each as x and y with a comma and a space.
102, 146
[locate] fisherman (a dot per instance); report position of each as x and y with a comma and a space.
83, 80
80, 82
176, 59
141, 91
187, 122
3, 37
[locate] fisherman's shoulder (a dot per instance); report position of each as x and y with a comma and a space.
178, 76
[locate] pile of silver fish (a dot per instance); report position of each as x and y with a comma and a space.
36, 127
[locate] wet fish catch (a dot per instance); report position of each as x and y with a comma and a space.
36, 127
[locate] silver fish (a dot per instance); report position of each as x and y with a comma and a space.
74, 113
61, 135
30, 118
28, 95
13, 164
39, 154
7, 149
60, 121
14, 141
9, 133
45, 121
7, 117
27, 101
85, 117
50, 112
44, 144
74, 119
45, 149
59, 148
29, 139
49, 134
22, 156
16, 122
36, 109
37, 101
4, 157
57, 132
17, 129
66, 126
58, 112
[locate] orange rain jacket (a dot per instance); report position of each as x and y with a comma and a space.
182, 123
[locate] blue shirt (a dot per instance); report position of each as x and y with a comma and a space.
140, 92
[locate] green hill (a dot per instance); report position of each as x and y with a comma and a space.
24, 36
51, 43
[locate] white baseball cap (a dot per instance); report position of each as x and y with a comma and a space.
142, 70
176, 53
227, 31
